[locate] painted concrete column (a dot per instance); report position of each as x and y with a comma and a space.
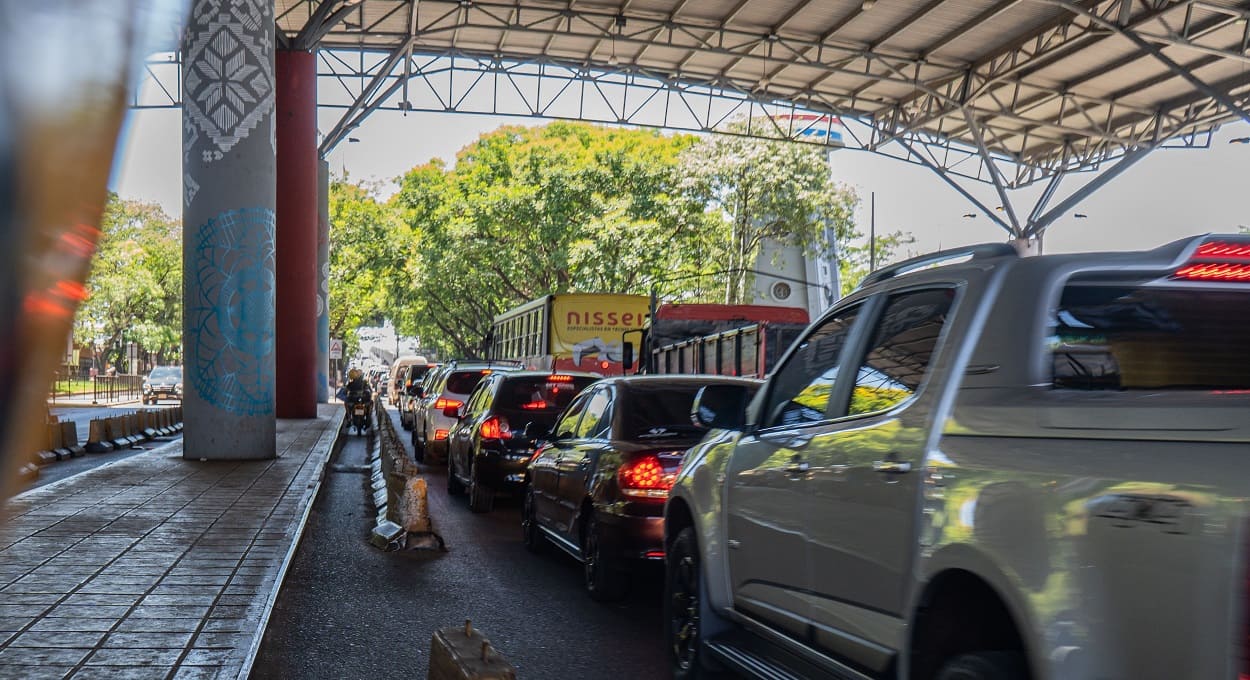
228, 238
296, 76
323, 281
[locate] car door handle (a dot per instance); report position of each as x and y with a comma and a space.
896, 467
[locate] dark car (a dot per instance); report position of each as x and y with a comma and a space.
597, 487
164, 382
490, 446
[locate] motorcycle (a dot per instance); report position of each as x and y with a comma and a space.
358, 412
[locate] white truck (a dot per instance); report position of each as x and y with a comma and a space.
1004, 467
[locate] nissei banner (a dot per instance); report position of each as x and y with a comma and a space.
590, 326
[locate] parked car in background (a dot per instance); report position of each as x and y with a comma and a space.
435, 415
998, 468
490, 446
164, 382
598, 484
397, 374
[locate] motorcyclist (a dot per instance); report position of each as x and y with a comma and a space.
356, 391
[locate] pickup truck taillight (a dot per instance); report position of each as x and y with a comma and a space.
1222, 260
649, 475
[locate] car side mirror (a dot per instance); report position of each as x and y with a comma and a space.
721, 406
627, 357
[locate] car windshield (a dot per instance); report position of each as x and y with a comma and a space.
1108, 337
539, 399
166, 373
463, 382
661, 412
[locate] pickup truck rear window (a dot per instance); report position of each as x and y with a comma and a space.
1111, 337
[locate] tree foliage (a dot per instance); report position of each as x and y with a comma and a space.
369, 252
572, 207
134, 291
568, 207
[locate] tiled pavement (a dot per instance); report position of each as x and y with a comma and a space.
155, 566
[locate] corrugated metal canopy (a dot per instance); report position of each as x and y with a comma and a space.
1049, 85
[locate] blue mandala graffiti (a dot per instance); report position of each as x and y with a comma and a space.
231, 318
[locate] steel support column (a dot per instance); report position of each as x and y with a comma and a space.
297, 224
228, 243
323, 281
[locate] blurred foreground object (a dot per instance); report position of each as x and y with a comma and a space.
65, 70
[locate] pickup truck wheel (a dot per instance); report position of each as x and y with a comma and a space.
985, 666
531, 535
481, 497
685, 604
454, 487
606, 578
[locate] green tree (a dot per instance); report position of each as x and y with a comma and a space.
369, 258
134, 291
568, 207
775, 189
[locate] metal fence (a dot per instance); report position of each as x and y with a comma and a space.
72, 386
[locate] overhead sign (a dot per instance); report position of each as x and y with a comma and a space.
826, 128
336, 348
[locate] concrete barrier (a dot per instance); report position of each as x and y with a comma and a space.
97, 437
462, 653
399, 492
69, 438
56, 441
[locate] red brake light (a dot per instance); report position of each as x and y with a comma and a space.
1214, 272
1226, 261
1222, 250
534, 406
445, 403
559, 378
646, 476
440, 435
495, 428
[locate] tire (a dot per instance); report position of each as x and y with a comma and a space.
985, 666
686, 614
531, 535
418, 449
606, 578
481, 497
454, 487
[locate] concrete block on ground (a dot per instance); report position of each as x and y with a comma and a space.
45, 457
414, 510
463, 653
379, 498
386, 536
69, 438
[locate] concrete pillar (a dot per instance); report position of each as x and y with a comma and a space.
296, 76
323, 281
228, 240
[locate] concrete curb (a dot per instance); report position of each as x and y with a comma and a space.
309, 499
399, 493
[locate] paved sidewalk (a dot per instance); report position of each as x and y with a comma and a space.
155, 566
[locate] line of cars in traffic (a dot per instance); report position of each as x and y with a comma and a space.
1000, 468
592, 458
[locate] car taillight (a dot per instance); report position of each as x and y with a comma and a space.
647, 476
440, 435
495, 427
1218, 261
559, 378
445, 403
534, 406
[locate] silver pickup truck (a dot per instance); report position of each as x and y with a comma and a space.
1002, 467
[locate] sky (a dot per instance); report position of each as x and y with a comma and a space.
1171, 194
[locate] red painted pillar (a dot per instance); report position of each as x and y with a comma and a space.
295, 77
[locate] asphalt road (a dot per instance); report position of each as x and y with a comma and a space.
349, 610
